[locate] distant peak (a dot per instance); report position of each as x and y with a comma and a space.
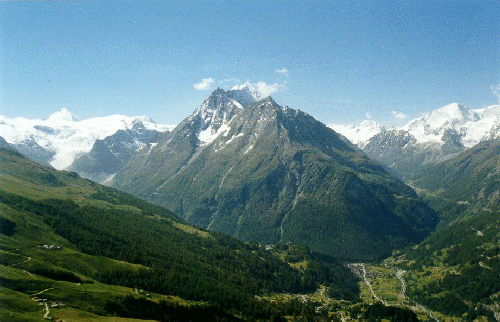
453, 109
62, 115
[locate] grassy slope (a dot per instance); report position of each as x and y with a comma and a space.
152, 249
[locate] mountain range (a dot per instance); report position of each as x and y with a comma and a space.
430, 139
265, 173
62, 138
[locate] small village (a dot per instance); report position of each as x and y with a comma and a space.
48, 305
50, 247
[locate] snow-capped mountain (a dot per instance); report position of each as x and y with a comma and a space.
358, 135
472, 126
109, 155
266, 173
214, 114
61, 138
431, 138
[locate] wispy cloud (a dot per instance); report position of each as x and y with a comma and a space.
495, 90
265, 89
368, 116
261, 88
204, 84
399, 115
282, 71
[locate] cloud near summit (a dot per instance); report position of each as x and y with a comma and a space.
265, 89
262, 88
399, 115
204, 84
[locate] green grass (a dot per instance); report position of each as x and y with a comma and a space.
111, 243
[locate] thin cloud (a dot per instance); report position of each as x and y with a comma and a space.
282, 71
368, 116
261, 88
495, 90
204, 84
265, 89
399, 115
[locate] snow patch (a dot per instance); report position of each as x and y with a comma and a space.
208, 135
108, 179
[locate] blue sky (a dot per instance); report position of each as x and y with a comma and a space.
339, 61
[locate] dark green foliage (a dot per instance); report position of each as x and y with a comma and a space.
378, 311
57, 274
323, 268
476, 256
449, 303
163, 311
7, 227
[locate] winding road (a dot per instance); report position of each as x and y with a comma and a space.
29, 258
46, 315
399, 275
360, 270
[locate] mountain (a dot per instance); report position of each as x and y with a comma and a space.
110, 154
470, 180
265, 173
359, 135
402, 153
102, 252
430, 139
61, 138
4, 144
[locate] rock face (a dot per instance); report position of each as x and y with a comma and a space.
401, 152
266, 173
109, 155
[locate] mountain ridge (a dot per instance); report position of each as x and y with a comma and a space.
267, 166
430, 139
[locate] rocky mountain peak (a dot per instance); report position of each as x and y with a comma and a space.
246, 92
266, 173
